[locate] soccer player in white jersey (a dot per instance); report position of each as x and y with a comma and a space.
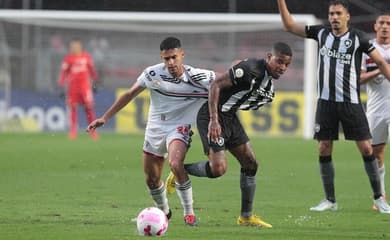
340, 50
378, 91
176, 93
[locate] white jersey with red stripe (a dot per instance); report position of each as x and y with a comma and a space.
175, 101
378, 89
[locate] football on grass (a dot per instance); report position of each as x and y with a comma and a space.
152, 222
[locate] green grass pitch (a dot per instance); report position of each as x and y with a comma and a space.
52, 188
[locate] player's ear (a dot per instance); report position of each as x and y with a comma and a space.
269, 56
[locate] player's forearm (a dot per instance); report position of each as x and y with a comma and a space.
365, 77
123, 100
385, 69
213, 100
120, 103
288, 21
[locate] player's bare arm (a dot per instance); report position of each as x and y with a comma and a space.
383, 66
122, 101
365, 77
288, 21
221, 82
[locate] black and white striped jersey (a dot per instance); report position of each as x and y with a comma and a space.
252, 87
339, 62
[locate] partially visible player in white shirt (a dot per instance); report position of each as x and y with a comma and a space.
378, 91
176, 93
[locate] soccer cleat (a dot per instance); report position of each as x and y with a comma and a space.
382, 205
190, 220
253, 220
374, 207
94, 135
170, 184
324, 205
72, 135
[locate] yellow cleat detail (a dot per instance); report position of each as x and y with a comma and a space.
252, 221
170, 183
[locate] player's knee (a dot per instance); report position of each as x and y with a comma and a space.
218, 169
250, 164
176, 166
325, 148
152, 182
366, 150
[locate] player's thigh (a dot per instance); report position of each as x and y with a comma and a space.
379, 128
326, 125
354, 121
86, 97
155, 140
178, 141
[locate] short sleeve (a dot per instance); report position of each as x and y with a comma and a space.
241, 73
365, 42
312, 31
143, 78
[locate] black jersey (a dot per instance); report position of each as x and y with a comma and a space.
339, 61
252, 87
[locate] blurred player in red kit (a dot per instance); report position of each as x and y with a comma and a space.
76, 70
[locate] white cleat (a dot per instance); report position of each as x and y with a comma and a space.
382, 205
324, 205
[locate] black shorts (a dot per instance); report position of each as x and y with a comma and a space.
233, 133
351, 116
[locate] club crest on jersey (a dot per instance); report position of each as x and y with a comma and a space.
348, 43
239, 72
379, 79
317, 128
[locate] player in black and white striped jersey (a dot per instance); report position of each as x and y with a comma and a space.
248, 85
340, 50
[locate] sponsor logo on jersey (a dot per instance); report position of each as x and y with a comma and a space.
344, 58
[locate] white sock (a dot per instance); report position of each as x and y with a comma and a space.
159, 196
382, 179
184, 191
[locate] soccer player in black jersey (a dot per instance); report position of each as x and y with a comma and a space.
248, 85
340, 50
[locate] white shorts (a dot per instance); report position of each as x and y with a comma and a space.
379, 127
158, 138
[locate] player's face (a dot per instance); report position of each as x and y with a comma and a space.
382, 27
75, 47
338, 18
173, 60
277, 64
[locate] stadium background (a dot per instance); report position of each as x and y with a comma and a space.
33, 55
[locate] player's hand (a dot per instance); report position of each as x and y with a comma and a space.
95, 124
214, 130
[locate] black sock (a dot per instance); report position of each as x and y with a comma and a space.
248, 188
327, 176
199, 169
371, 166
